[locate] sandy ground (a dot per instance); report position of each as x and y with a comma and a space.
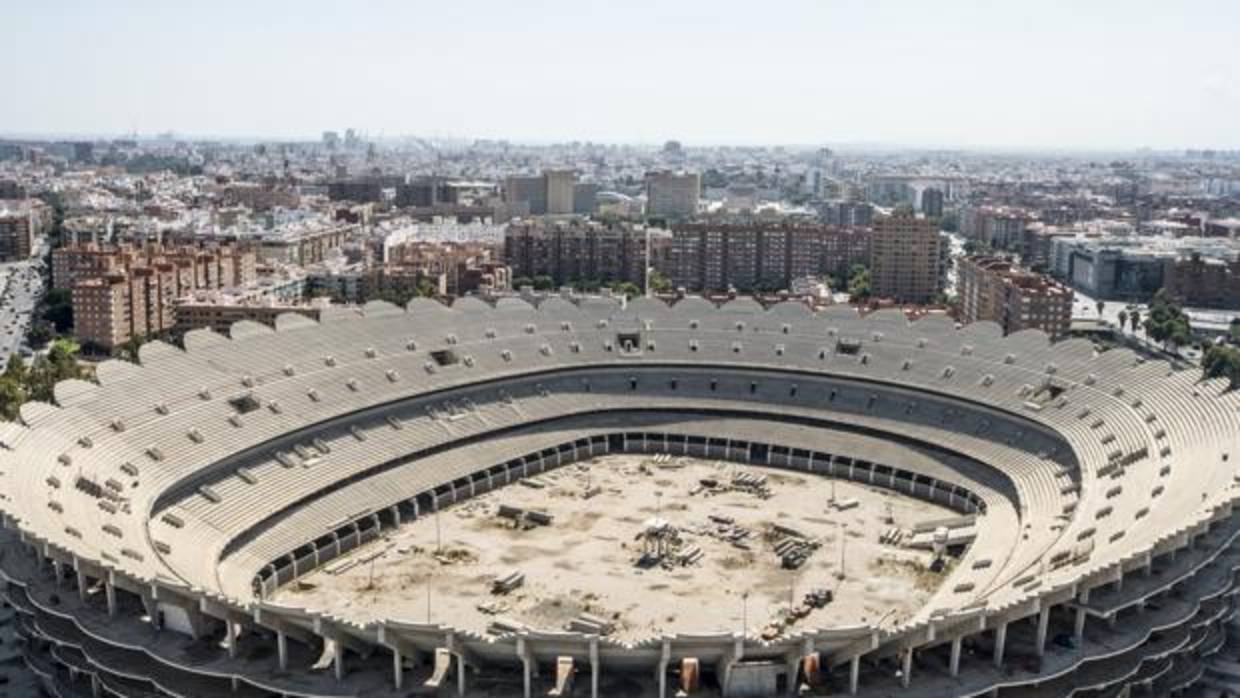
586, 560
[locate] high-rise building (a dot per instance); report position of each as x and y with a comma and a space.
999, 227
995, 289
847, 213
526, 195
585, 198
425, 191
576, 250
16, 235
756, 256
672, 194
560, 185
932, 203
904, 259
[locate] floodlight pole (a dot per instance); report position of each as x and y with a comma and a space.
438, 531
843, 544
745, 614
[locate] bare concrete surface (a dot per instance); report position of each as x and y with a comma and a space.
717, 525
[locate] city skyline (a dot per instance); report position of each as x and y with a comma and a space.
956, 75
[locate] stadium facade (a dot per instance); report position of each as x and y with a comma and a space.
149, 517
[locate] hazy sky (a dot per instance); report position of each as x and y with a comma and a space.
1033, 73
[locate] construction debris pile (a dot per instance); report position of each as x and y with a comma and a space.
663, 546
740, 481
523, 519
787, 617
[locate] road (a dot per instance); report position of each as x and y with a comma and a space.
21, 287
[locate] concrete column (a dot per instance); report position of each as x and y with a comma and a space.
1044, 617
663, 661
109, 591
82, 584
1000, 641
338, 659
525, 665
152, 610
282, 649
460, 675
907, 672
398, 669
96, 687
56, 571
594, 667
854, 674
1079, 629
230, 638
955, 661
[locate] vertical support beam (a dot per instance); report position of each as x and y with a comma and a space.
594, 667
460, 674
1079, 629
854, 674
82, 584
109, 591
230, 638
955, 661
1044, 617
524, 656
1000, 641
663, 661
282, 649
338, 659
907, 672
398, 669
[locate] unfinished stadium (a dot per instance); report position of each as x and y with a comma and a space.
588, 498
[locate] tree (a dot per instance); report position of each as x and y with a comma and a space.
1166, 322
1221, 361
542, 282
859, 283
12, 395
1233, 330
58, 309
521, 282
1123, 320
425, 289
1100, 305
1135, 317
626, 289
659, 283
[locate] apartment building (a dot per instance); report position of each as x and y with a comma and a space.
201, 266
672, 194
16, 234
1000, 227
905, 259
554, 192
578, 250
132, 291
760, 256
560, 187
995, 289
